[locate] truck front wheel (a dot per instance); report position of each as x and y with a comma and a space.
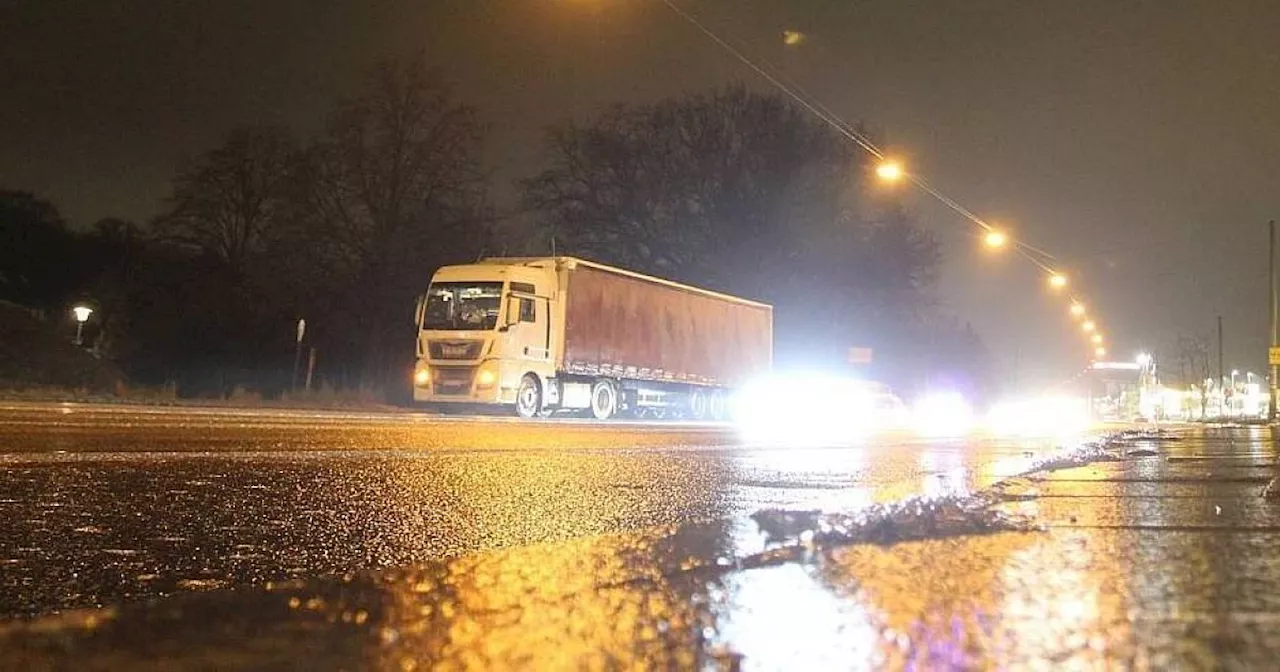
604, 400
529, 398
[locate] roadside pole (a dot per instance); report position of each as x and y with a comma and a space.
1222, 382
311, 367
297, 353
1272, 353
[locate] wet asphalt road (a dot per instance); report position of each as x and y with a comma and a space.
1143, 552
107, 505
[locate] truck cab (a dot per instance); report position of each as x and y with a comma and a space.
483, 329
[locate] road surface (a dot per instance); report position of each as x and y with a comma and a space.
104, 504
357, 541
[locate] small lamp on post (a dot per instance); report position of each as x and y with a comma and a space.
82, 314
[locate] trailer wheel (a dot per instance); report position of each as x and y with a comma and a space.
698, 405
719, 406
604, 399
529, 398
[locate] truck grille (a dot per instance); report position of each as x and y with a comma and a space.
454, 349
452, 380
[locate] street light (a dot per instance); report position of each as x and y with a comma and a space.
1077, 310
1143, 359
890, 171
1096, 338
82, 314
1099, 352
995, 240
1088, 325
1057, 281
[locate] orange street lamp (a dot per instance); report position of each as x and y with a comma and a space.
1099, 352
1057, 280
1077, 310
890, 171
995, 240
1088, 325
1097, 339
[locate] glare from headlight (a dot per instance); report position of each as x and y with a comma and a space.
942, 414
1039, 416
802, 409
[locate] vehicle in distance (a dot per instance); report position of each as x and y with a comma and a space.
560, 333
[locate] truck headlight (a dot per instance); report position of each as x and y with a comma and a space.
421, 377
486, 378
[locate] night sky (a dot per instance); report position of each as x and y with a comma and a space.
1138, 141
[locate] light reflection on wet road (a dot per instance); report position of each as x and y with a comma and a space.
1161, 553
103, 505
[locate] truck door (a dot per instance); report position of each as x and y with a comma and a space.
533, 328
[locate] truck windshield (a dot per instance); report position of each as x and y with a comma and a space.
469, 306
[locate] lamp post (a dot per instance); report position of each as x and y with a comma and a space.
82, 314
297, 351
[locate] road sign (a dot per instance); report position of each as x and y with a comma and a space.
858, 356
1274, 356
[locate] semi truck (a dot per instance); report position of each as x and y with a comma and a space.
547, 334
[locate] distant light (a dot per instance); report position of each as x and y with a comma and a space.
1057, 281
1119, 366
1088, 325
996, 239
1077, 310
82, 313
1097, 339
792, 38
1099, 352
890, 171
1143, 359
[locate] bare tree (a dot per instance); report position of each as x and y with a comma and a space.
742, 192
226, 201
1192, 355
690, 187
392, 189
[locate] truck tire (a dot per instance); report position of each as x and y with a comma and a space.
718, 407
698, 403
604, 399
529, 398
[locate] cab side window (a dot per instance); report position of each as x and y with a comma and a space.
527, 311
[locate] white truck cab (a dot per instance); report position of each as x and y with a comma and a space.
482, 329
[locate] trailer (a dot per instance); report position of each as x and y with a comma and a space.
544, 334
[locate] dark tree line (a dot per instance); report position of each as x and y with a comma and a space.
745, 193
732, 190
